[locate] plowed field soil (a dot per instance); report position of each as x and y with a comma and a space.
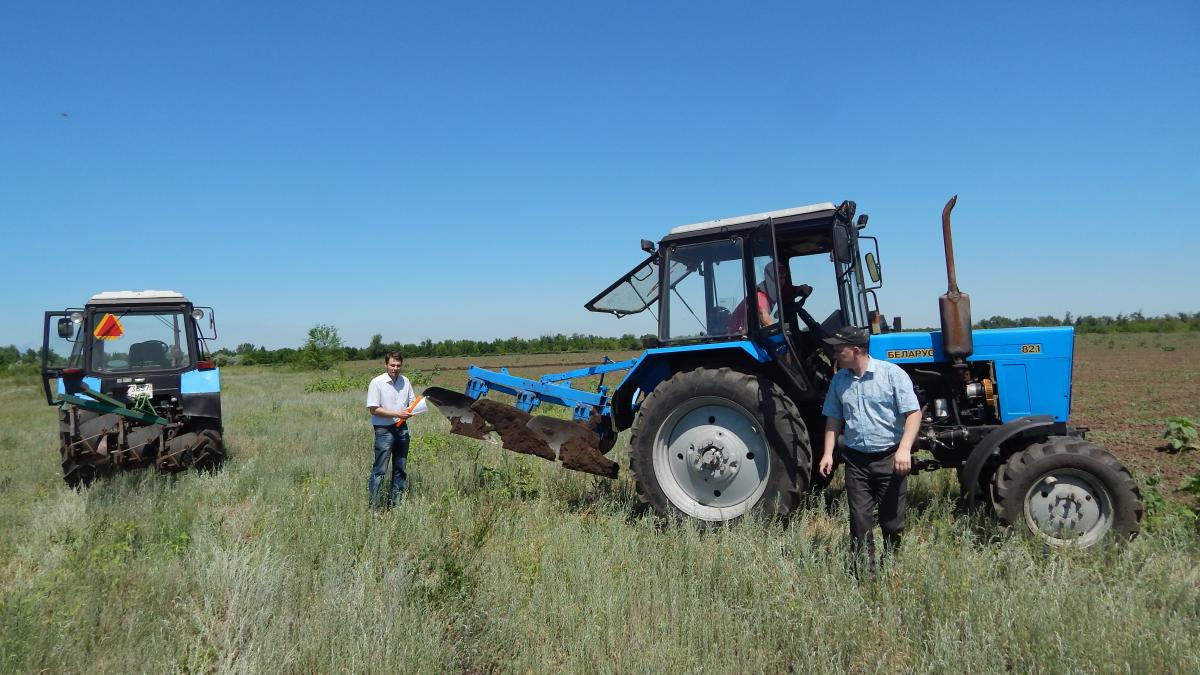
1127, 386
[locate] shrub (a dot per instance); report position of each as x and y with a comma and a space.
342, 382
338, 383
1182, 434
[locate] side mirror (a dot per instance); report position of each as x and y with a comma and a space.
841, 245
647, 246
873, 268
66, 328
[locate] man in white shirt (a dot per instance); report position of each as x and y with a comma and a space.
389, 397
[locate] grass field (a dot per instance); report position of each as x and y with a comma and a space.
498, 562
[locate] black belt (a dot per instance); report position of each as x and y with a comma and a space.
873, 455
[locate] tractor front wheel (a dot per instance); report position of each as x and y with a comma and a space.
714, 444
1066, 491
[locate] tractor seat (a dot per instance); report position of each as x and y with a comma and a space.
149, 353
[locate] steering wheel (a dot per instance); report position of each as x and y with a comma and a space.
813, 326
165, 352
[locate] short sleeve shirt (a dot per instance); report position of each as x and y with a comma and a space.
383, 393
873, 406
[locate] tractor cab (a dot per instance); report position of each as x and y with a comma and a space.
782, 279
117, 337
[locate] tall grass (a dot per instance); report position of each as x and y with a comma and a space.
498, 562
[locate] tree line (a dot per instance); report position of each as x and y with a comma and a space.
323, 347
1180, 322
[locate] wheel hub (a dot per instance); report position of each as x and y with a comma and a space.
710, 461
711, 458
1068, 507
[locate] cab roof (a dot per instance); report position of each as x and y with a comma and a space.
780, 217
137, 297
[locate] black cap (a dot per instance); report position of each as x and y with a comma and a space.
849, 335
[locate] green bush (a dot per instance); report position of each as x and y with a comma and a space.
342, 382
1182, 434
1191, 486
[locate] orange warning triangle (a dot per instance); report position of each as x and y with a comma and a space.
109, 328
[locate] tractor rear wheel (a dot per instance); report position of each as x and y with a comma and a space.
714, 444
210, 455
1066, 491
77, 476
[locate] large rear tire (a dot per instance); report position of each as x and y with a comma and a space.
1066, 491
77, 475
715, 444
211, 454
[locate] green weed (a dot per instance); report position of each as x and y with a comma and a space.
1182, 434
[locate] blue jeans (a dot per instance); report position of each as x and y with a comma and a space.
389, 440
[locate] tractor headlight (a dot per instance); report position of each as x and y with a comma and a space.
197, 314
76, 317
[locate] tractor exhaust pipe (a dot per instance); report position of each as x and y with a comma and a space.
954, 305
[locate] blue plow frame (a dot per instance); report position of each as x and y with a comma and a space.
554, 388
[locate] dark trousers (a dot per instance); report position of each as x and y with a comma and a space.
390, 441
872, 485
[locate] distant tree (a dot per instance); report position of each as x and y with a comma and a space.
322, 349
376, 350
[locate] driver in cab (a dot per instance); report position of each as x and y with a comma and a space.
766, 300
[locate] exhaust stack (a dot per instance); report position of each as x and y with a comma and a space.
954, 305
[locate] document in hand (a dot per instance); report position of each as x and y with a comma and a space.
418, 406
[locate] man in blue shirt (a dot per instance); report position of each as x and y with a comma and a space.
873, 405
389, 398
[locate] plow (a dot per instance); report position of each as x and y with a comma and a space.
579, 444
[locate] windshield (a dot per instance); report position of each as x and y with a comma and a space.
632, 293
127, 342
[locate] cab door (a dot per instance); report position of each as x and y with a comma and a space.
62, 349
777, 338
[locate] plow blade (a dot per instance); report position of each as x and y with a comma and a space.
578, 447
457, 408
550, 438
510, 424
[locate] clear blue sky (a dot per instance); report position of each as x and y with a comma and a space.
480, 170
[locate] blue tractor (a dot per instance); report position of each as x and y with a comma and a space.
724, 405
134, 383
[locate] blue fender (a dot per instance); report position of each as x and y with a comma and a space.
657, 365
1032, 425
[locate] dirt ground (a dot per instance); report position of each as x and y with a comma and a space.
1127, 386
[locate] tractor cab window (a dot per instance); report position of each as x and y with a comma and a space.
63, 349
125, 342
707, 290
824, 304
